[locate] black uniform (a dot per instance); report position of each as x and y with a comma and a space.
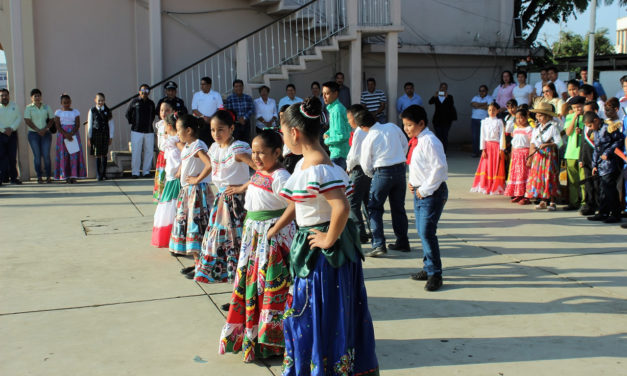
177, 104
591, 188
140, 115
99, 131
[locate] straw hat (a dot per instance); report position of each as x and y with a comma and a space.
544, 108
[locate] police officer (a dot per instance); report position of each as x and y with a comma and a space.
178, 105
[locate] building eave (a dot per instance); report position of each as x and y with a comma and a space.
451, 50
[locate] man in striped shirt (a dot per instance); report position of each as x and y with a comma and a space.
374, 100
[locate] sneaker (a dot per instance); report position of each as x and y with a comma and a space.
434, 283
598, 217
612, 219
399, 247
420, 276
541, 205
376, 252
188, 269
225, 306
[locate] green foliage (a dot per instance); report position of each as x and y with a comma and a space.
571, 44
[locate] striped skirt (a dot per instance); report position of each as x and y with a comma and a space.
542, 182
192, 216
165, 214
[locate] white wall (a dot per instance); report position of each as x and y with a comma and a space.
611, 81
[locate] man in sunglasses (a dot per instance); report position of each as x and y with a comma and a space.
140, 115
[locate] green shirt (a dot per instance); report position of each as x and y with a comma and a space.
38, 115
9, 117
339, 130
574, 140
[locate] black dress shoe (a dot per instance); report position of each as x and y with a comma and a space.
225, 306
420, 276
16, 181
598, 217
188, 269
376, 252
570, 208
190, 275
434, 283
134, 176
612, 219
624, 225
399, 247
586, 210
363, 239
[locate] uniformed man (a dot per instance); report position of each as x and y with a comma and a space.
178, 105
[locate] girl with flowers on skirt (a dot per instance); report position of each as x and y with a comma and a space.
166, 209
195, 197
70, 163
327, 327
160, 175
490, 175
230, 162
542, 182
518, 170
254, 323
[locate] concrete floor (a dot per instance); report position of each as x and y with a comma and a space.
525, 292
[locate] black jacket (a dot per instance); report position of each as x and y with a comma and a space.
445, 112
140, 115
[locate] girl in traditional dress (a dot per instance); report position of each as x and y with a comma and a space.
327, 327
254, 323
230, 162
518, 170
195, 197
166, 209
490, 175
160, 175
542, 182
70, 164
100, 129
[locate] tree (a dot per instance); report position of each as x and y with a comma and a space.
571, 44
534, 13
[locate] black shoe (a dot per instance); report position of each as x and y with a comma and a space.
190, 275
16, 181
434, 283
598, 217
624, 225
225, 306
188, 270
586, 210
363, 239
134, 176
570, 208
376, 252
399, 247
420, 276
612, 219
175, 254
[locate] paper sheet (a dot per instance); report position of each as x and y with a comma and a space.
72, 146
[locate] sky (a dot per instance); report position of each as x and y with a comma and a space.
580, 23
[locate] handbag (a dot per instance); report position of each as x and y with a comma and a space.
53, 127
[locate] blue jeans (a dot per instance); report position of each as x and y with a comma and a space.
475, 129
41, 149
388, 182
340, 162
427, 211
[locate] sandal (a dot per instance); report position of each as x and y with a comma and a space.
524, 201
516, 199
541, 205
552, 207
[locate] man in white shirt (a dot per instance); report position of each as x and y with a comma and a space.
265, 110
543, 81
560, 86
479, 104
428, 173
205, 103
361, 182
382, 158
291, 97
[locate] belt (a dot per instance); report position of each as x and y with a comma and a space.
389, 167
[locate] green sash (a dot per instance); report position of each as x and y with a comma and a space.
303, 259
264, 215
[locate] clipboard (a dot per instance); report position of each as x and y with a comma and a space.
72, 146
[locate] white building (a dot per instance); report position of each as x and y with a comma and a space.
85, 46
621, 35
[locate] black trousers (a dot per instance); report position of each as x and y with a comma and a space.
242, 132
8, 157
361, 191
609, 203
591, 189
441, 132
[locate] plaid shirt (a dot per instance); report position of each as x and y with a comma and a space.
242, 106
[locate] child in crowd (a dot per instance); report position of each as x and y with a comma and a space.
166, 209
254, 323
100, 129
605, 163
589, 203
542, 182
574, 127
69, 162
195, 197
327, 327
518, 171
164, 110
490, 175
230, 162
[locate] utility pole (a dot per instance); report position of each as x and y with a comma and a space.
593, 17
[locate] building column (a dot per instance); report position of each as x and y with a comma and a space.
241, 64
391, 74
355, 68
156, 48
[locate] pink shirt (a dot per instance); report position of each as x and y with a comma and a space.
503, 94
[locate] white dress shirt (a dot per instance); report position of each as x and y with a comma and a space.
428, 168
90, 122
352, 159
384, 145
492, 129
265, 110
207, 103
560, 87
541, 136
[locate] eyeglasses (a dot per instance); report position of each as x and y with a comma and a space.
145, 91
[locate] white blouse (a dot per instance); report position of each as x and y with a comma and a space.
549, 132
521, 137
492, 129
161, 137
522, 94
306, 188
67, 117
264, 191
172, 156
190, 165
225, 170
352, 159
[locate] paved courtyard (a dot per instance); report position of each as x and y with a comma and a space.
525, 292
